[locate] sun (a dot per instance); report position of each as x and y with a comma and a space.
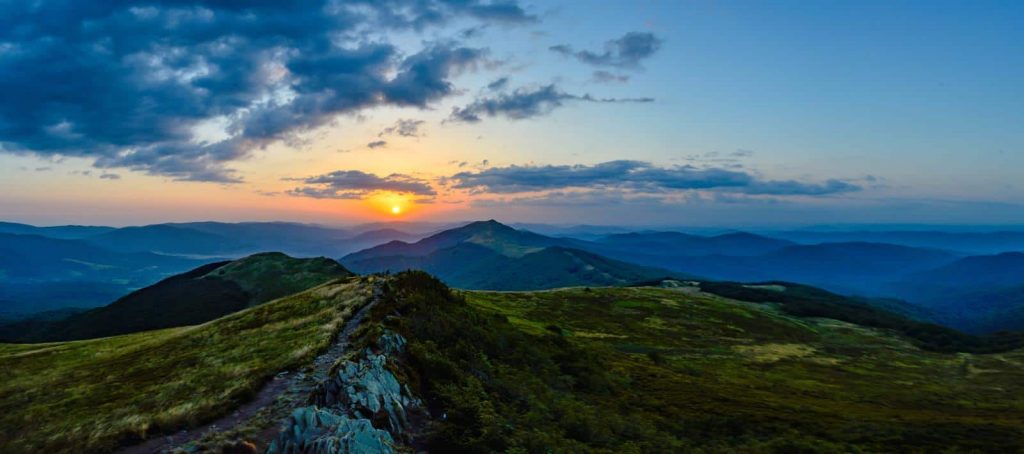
395, 209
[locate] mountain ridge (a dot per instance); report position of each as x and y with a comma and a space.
494, 256
200, 295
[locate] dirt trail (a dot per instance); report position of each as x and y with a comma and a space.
285, 389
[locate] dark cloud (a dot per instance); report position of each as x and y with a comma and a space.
419, 14
127, 83
790, 187
590, 199
498, 84
626, 52
403, 128
376, 144
526, 103
607, 77
635, 176
472, 32
354, 184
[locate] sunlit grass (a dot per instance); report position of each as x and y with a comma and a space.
97, 394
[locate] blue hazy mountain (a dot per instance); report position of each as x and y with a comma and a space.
67, 232
978, 294
969, 242
39, 273
169, 239
854, 267
222, 239
676, 244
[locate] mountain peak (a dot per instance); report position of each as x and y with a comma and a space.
490, 223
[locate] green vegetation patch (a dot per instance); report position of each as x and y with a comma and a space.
96, 395
273, 275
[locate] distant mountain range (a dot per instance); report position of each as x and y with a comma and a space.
66, 232
490, 255
40, 274
675, 244
852, 268
54, 268
220, 239
989, 242
979, 294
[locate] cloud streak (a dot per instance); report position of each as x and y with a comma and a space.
403, 128
634, 176
356, 185
526, 103
626, 52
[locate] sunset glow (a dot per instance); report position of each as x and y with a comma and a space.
528, 115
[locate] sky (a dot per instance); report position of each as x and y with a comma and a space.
700, 113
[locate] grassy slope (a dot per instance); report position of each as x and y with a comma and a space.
205, 293
666, 370
94, 395
713, 361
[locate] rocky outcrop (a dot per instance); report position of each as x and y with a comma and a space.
361, 407
323, 431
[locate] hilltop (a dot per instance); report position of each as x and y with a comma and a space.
491, 255
200, 295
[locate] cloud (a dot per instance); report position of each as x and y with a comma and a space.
355, 184
626, 52
376, 144
604, 77
110, 176
420, 14
498, 84
591, 199
132, 85
790, 187
472, 32
403, 128
638, 177
527, 103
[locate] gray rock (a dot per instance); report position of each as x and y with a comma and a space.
321, 431
369, 390
345, 406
